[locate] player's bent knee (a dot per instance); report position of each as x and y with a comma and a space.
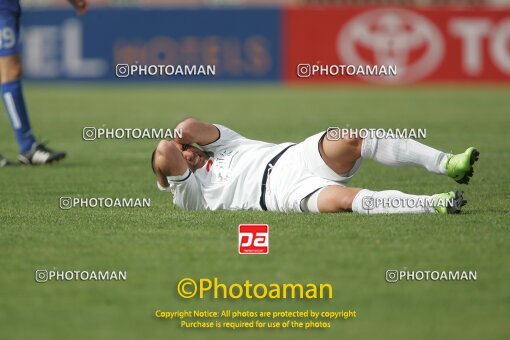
342, 147
354, 142
351, 146
341, 155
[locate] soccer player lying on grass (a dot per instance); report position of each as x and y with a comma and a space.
226, 171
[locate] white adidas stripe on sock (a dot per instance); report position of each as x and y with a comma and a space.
11, 109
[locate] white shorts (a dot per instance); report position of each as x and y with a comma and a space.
299, 172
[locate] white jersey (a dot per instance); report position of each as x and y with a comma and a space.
231, 179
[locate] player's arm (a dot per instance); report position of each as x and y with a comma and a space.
167, 160
81, 6
195, 131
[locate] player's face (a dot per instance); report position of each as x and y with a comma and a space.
194, 157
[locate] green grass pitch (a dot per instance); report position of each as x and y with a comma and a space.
159, 245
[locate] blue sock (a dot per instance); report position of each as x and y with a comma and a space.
12, 95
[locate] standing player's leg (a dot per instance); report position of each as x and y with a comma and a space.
8, 44
12, 94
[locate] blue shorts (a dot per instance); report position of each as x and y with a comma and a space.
9, 33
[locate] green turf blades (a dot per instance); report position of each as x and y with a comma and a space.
460, 167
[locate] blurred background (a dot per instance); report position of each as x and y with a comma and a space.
430, 41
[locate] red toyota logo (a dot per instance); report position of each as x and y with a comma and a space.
392, 37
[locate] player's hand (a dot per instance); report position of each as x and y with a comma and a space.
81, 6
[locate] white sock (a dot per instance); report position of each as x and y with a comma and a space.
404, 152
370, 202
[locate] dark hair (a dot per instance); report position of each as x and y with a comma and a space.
152, 161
